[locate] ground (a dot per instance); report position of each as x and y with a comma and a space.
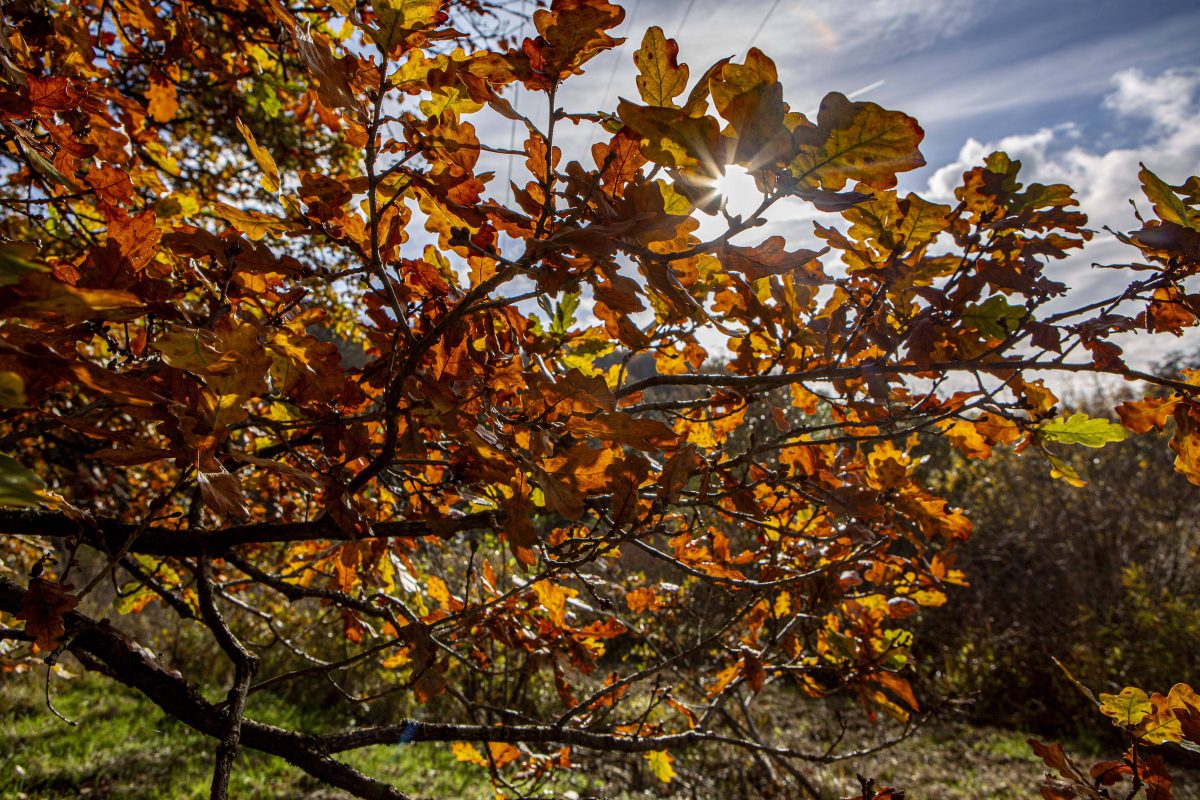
122, 744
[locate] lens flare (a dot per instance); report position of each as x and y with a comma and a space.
737, 190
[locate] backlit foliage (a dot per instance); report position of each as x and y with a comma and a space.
281, 347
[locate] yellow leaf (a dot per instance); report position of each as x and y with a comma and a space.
440, 592
553, 598
1127, 708
398, 659
857, 141
255, 224
660, 765
12, 390
270, 176
467, 752
661, 78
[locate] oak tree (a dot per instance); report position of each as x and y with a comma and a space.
284, 354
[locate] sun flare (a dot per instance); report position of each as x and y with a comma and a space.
737, 190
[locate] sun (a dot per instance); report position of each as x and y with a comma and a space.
738, 192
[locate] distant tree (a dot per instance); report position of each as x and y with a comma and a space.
195, 189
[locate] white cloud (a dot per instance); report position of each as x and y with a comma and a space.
1167, 100
1167, 109
1105, 179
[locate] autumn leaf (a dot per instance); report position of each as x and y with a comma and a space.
502, 754
270, 176
1167, 205
12, 390
255, 224
398, 18
222, 492
467, 753
42, 295
856, 141
466, 402
661, 78
750, 97
113, 189
662, 765
1081, 429
1128, 708
994, 318
572, 33
163, 101
43, 609
894, 225
334, 84
673, 138
1063, 471
770, 258
621, 428
16, 260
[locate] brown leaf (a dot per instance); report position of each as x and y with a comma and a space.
770, 258
43, 609
222, 492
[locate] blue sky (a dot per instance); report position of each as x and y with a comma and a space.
1079, 90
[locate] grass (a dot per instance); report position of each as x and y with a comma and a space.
124, 747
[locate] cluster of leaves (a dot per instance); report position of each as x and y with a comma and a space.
271, 346
1149, 721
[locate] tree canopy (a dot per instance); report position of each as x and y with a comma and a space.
284, 357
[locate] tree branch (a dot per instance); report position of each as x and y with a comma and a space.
110, 535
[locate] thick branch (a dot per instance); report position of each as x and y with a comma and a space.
732, 381
110, 535
100, 644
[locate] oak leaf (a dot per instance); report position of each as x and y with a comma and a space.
43, 609
661, 78
856, 141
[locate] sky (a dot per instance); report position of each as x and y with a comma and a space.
1080, 91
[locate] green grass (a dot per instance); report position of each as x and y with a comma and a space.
123, 745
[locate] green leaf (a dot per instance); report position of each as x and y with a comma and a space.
584, 352
564, 314
133, 598
1167, 204
1082, 429
995, 318
19, 487
12, 390
15, 262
